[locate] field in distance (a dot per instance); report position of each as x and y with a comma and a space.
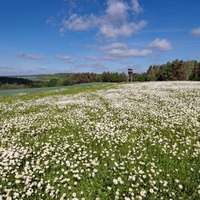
44, 78
114, 141
13, 92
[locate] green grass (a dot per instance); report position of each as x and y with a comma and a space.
43, 78
32, 78
14, 92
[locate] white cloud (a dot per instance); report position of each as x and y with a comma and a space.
80, 23
196, 31
31, 57
121, 50
116, 12
136, 7
112, 24
120, 53
113, 45
116, 51
160, 44
91, 58
65, 58
125, 30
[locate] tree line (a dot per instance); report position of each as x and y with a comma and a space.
61, 80
15, 83
176, 70
171, 71
77, 78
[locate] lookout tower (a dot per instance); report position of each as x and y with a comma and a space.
130, 75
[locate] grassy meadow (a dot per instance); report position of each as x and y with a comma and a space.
33, 78
114, 141
24, 91
42, 77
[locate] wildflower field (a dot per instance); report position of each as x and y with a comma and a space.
114, 141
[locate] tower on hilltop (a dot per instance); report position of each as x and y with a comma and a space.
130, 75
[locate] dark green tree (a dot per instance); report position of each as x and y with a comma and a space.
52, 82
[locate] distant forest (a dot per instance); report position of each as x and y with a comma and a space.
171, 71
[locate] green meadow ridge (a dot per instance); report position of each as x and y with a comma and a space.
114, 141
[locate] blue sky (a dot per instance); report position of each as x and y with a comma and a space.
60, 36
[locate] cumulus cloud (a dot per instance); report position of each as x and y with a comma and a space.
196, 31
116, 12
121, 53
116, 51
113, 23
160, 44
125, 30
114, 46
80, 23
31, 57
121, 50
65, 58
136, 7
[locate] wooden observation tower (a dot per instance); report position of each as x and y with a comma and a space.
130, 75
